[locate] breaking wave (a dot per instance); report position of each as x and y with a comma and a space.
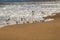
19, 14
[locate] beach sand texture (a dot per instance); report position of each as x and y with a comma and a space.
36, 31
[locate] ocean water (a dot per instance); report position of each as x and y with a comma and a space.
18, 14
25, 0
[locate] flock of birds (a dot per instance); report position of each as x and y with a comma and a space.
19, 14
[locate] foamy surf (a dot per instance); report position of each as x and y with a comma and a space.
20, 14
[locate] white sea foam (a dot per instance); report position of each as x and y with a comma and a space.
19, 14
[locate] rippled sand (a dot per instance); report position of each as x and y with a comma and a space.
36, 31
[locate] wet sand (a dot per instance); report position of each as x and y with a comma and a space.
36, 31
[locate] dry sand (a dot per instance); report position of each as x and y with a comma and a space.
36, 31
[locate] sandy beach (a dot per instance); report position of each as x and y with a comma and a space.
36, 31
